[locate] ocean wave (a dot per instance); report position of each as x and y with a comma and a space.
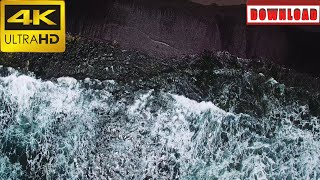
70, 129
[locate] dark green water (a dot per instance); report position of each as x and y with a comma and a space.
69, 129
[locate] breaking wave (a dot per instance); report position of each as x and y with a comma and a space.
69, 129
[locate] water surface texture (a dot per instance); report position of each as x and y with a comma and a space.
72, 129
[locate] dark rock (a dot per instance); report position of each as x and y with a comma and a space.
174, 28
233, 84
180, 27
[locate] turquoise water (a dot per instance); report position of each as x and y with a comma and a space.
69, 129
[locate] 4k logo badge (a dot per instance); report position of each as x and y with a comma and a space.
33, 26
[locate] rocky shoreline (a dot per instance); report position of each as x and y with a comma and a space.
233, 84
119, 113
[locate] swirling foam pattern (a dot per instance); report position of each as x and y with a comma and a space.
68, 129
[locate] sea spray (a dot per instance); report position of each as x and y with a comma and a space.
71, 129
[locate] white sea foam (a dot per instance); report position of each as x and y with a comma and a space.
65, 131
